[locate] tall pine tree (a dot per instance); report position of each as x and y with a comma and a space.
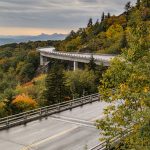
92, 64
55, 88
90, 23
138, 3
103, 17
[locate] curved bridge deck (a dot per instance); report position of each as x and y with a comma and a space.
75, 57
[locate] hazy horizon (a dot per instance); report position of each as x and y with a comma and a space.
32, 35
33, 17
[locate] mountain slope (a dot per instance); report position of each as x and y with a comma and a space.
107, 35
41, 37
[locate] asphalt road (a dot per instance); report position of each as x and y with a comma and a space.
106, 57
69, 130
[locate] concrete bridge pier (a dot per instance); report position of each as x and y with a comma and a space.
43, 60
75, 65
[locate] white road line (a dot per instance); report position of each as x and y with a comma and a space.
49, 138
63, 118
73, 122
74, 119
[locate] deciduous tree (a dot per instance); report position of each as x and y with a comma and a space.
126, 86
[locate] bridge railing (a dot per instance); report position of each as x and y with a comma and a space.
25, 117
76, 52
74, 56
111, 143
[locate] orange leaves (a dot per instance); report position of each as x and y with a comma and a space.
123, 87
27, 84
24, 102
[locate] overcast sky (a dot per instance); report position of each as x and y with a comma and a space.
32, 17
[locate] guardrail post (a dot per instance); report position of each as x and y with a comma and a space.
82, 99
108, 144
99, 98
58, 107
7, 122
25, 118
70, 105
46, 112
40, 112
91, 98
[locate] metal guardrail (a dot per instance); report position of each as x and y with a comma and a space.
79, 56
75, 52
25, 117
110, 144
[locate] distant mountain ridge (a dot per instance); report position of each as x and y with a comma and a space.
41, 37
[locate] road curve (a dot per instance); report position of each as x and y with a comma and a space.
51, 50
68, 130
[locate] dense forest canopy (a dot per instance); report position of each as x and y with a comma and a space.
126, 85
18, 65
107, 34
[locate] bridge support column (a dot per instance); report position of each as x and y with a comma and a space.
41, 60
75, 65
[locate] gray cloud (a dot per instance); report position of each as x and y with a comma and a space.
63, 14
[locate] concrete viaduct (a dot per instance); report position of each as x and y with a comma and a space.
50, 52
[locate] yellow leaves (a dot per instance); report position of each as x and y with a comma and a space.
24, 102
123, 87
26, 88
2, 105
114, 31
146, 89
127, 102
40, 78
33, 88
2, 109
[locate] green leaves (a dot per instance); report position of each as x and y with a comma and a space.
126, 86
80, 82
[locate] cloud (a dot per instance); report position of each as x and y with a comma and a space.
55, 14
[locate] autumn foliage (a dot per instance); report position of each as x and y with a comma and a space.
24, 103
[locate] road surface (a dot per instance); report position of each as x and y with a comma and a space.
106, 57
68, 130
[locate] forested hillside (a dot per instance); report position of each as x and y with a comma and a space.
126, 86
18, 65
108, 34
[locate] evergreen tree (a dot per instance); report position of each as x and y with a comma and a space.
9, 95
91, 64
138, 3
145, 3
83, 37
71, 35
128, 6
108, 15
97, 23
90, 23
96, 27
55, 89
103, 17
